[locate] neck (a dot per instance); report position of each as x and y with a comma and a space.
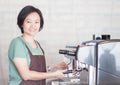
28, 38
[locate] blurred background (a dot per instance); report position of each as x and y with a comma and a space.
67, 22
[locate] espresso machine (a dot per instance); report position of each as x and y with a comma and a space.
95, 62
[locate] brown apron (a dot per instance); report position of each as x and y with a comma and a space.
37, 64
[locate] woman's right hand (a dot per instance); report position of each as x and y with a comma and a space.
59, 73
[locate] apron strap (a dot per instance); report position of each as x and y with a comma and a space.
40, 47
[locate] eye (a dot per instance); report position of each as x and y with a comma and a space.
37, 22
28, 21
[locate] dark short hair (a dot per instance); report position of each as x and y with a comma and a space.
25, 12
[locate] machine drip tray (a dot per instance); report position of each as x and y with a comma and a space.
68, 81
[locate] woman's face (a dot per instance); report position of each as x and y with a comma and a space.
31, 24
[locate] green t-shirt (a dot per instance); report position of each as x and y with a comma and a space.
18, 48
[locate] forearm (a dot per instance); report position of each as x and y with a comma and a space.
34, 75
28, 74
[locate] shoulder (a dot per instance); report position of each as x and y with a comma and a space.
17, 40
17, 43
17, 48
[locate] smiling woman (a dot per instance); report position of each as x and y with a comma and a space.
31, 24
27, 65
23, 16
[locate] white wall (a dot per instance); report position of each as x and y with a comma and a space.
67, 22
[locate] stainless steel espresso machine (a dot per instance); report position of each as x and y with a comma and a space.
95, 62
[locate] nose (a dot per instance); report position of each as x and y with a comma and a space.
33, 25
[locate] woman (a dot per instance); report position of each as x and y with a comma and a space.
26, 57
